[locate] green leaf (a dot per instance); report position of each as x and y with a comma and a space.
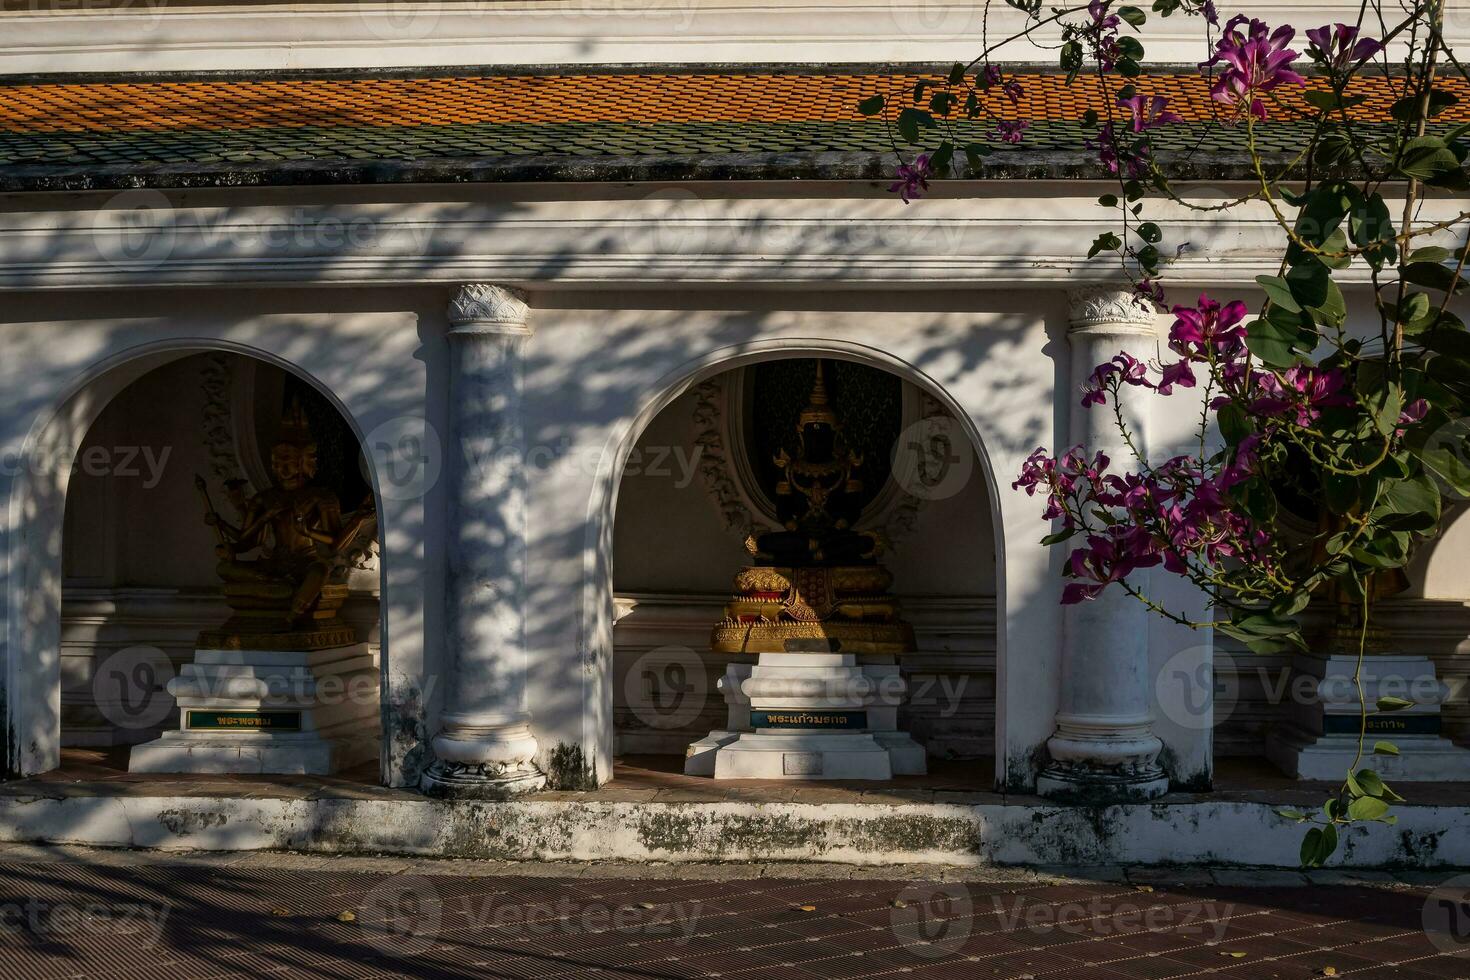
1290, 814
1407, 108
1071, 57
1134, 16
1426, 157
909, 121
1291, 604
1326, 100
1386, 405
1415, 495
1435, 276
1279, 293
1431, 253
1370, 226
1442, 446
871, 106
939, 160
1366, 808
1318, 845
1272, 341
1108, 200
1309, 283
1385, 748
1150, 232
1311, 847
1390, 703
1235, 423
1339, 492
1107, 241
956, 73
1337, 242
1059, 536
975, 154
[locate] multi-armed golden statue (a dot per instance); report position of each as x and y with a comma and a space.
287, 597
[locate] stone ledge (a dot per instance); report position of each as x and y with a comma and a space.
1227, 834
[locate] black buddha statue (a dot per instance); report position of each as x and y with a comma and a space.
819, 495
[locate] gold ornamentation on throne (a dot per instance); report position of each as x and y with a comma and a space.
820, 588
289, 596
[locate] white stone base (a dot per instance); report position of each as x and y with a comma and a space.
332, 694
905, 756
699, 758
803, 755
306, 754
1421, 758
1302, 746
886, 691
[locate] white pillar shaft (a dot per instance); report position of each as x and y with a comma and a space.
1104, 748
487, 518
486, 747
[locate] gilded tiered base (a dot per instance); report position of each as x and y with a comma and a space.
844, 608
260, 620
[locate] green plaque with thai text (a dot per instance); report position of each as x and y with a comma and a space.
243, 721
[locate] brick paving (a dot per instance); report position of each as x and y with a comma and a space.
76, 913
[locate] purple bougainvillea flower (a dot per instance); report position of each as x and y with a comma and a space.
1149, 111
991, 77
1149, 289
1253, 62
913, 179
1208, 327
1101, 16
1009, 131
1339, 46
1180, 374
1412, 413
1307, 390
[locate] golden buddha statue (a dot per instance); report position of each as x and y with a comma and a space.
289, 595
818, 586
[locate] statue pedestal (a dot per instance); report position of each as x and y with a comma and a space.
270, 711
1320, 738
905, 756
807, 716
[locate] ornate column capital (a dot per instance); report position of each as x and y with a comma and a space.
1111, 309
483, 308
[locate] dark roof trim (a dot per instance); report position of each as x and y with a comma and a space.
1015, 165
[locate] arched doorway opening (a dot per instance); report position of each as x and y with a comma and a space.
123, 573
697, 483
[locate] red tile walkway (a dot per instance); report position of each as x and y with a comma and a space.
205, 918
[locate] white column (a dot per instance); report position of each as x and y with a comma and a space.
1104, 749
485, 748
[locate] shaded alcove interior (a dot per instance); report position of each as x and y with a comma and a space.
137, 558
693, 484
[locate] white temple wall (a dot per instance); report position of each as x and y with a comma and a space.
635, 295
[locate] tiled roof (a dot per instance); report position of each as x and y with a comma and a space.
283, 128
